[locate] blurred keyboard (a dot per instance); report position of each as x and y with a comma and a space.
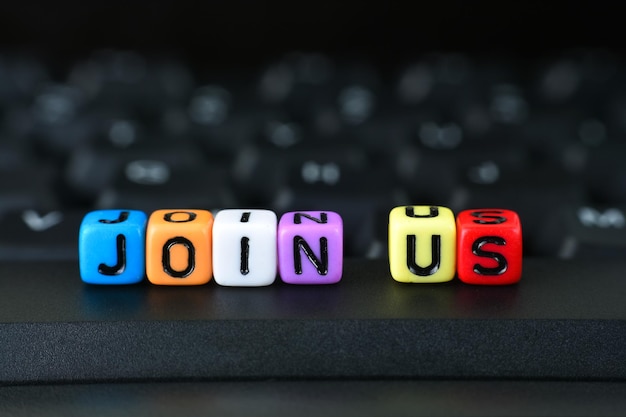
118, 129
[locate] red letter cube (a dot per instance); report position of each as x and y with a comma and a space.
489, 247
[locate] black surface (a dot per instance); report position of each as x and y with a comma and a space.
319, 398
562, 321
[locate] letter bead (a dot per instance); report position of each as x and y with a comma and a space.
178, 247
310, 247
244, 247
111, 247
489, 247
422, 244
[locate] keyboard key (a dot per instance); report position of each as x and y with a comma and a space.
428, 177
223, 119
605, 173
585, 232
32, 234
90, 170
20, 78
262, 174
370, 240
59, 123
26, 187
149, 185
112, 77
299, 85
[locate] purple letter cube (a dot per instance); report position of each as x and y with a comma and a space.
310, 247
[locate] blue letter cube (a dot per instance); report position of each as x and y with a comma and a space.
111, 247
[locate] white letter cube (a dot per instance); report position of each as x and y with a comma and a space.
244, 247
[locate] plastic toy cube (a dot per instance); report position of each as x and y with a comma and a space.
310, 247
489, 247
178, 247
111, 247
422, 244
244, 247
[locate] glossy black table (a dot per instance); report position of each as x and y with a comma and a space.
563, 321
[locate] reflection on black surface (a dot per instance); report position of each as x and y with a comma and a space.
427, 300
452, 299
482, 300
311, 300
245, 302
180, 303
101, 302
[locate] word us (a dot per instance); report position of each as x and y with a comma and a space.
245, 247
426, 244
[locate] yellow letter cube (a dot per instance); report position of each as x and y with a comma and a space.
422, 244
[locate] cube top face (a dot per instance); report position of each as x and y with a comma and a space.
492, 217
245, 247
310, 247
256, 217
489, 247
422, 244
111, 247
179, 246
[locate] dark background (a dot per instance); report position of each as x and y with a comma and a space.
220, 32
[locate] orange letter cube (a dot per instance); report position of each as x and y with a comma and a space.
178, 247
489, 247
